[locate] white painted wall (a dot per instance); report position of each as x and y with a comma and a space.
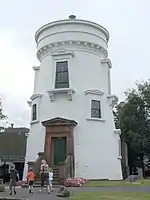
95, 144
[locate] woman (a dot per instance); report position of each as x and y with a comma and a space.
44, 172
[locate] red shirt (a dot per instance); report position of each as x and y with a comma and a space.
31, 176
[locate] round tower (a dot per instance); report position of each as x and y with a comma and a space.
71, 108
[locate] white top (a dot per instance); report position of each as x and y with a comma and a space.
50, 176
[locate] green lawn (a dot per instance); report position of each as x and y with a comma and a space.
111, 196
116, 183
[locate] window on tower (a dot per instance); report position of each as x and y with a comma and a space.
62, 75
119, 144
95, 109
34, 112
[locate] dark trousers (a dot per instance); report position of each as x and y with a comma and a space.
44, 179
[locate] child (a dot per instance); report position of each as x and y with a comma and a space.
51, 178
30, 178
13, 179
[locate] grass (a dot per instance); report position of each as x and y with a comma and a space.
111, 196
116, 183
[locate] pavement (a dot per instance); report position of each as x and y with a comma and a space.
22, 193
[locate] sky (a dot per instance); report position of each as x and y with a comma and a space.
128, 22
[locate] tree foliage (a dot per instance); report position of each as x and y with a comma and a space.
133, 118
2, 116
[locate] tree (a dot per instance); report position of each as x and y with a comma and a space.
133, 118
2, 117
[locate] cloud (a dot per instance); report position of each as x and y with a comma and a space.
17, 110
16, 79
128, 24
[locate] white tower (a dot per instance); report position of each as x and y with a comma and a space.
72, 100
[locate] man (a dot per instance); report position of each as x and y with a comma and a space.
13, 178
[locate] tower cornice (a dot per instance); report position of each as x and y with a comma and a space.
76, 22
50, 48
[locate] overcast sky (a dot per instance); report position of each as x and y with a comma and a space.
128, 22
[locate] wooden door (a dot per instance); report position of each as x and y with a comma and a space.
59, 150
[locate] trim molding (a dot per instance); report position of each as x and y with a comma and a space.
117, 131
81, 32
107, 61
35, 96
63, 52
119, 157
68, 21
94, 91
36, 68
68, 91
95, 119
29, 103
35, 121
49, 48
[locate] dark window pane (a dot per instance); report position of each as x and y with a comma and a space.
95, 109
65, 76
59, 77
62, 66
34, 112
95, 104
62, 76
62, 85
95, 113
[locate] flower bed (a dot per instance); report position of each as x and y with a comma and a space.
20, 183
75, 182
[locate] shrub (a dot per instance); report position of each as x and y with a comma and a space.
75, 182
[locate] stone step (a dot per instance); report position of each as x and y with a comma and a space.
56, 172
54, 178
54, 181
37, 183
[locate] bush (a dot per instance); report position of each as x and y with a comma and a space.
75, 182
19, 183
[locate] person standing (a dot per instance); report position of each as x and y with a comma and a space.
30, 179
44, 172
13, 179
51, 179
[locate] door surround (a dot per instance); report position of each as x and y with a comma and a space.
58, 127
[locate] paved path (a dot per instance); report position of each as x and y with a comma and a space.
23, 192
